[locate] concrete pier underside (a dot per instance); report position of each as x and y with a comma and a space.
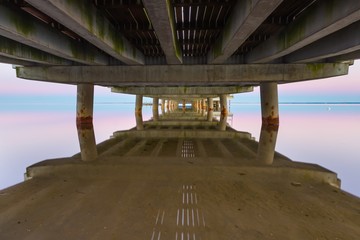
171, 187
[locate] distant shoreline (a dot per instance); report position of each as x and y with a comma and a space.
300, 103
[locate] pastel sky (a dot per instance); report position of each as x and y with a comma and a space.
344, 88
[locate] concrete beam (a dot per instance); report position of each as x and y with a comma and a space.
14, 61
322, 19
15, 50
345, 57
184, 75
245, 19
32, 32
181, 97
341, 42
84, 19
181, 90
161, 15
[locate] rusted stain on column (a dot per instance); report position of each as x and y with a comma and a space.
270, 120
84, 122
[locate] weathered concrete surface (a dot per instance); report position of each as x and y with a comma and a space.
320, 20
18, 51
85, 20
184, 75
161, 15
269, 103
149, 188
9, 60
23, 29
342, 42
181, 90
246, 18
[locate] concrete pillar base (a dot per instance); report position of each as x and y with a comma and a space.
267, 143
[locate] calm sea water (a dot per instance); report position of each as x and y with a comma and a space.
323, 134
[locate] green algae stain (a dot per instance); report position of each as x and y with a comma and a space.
75, 51
218, 47
117, 41
100, 21
176, 44
22, 24
296, 34
84, 7
315, 68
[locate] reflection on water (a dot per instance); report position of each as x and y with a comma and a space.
307, 133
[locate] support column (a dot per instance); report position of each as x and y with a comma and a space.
84, 121
267, 143
155, 108
170, 105
269, 103
162, 106
167, 106
224, 112
138, 112
184, 105
202, 107
210, 112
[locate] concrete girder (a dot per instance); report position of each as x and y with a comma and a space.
341, 42
85, 20
346, 57
15, 50
183, 75
27, 30
182, 90
245, 19
322, 19
161, 15
14, 61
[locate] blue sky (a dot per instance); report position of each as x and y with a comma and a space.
14, 90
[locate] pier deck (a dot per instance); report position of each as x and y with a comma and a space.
205, 185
